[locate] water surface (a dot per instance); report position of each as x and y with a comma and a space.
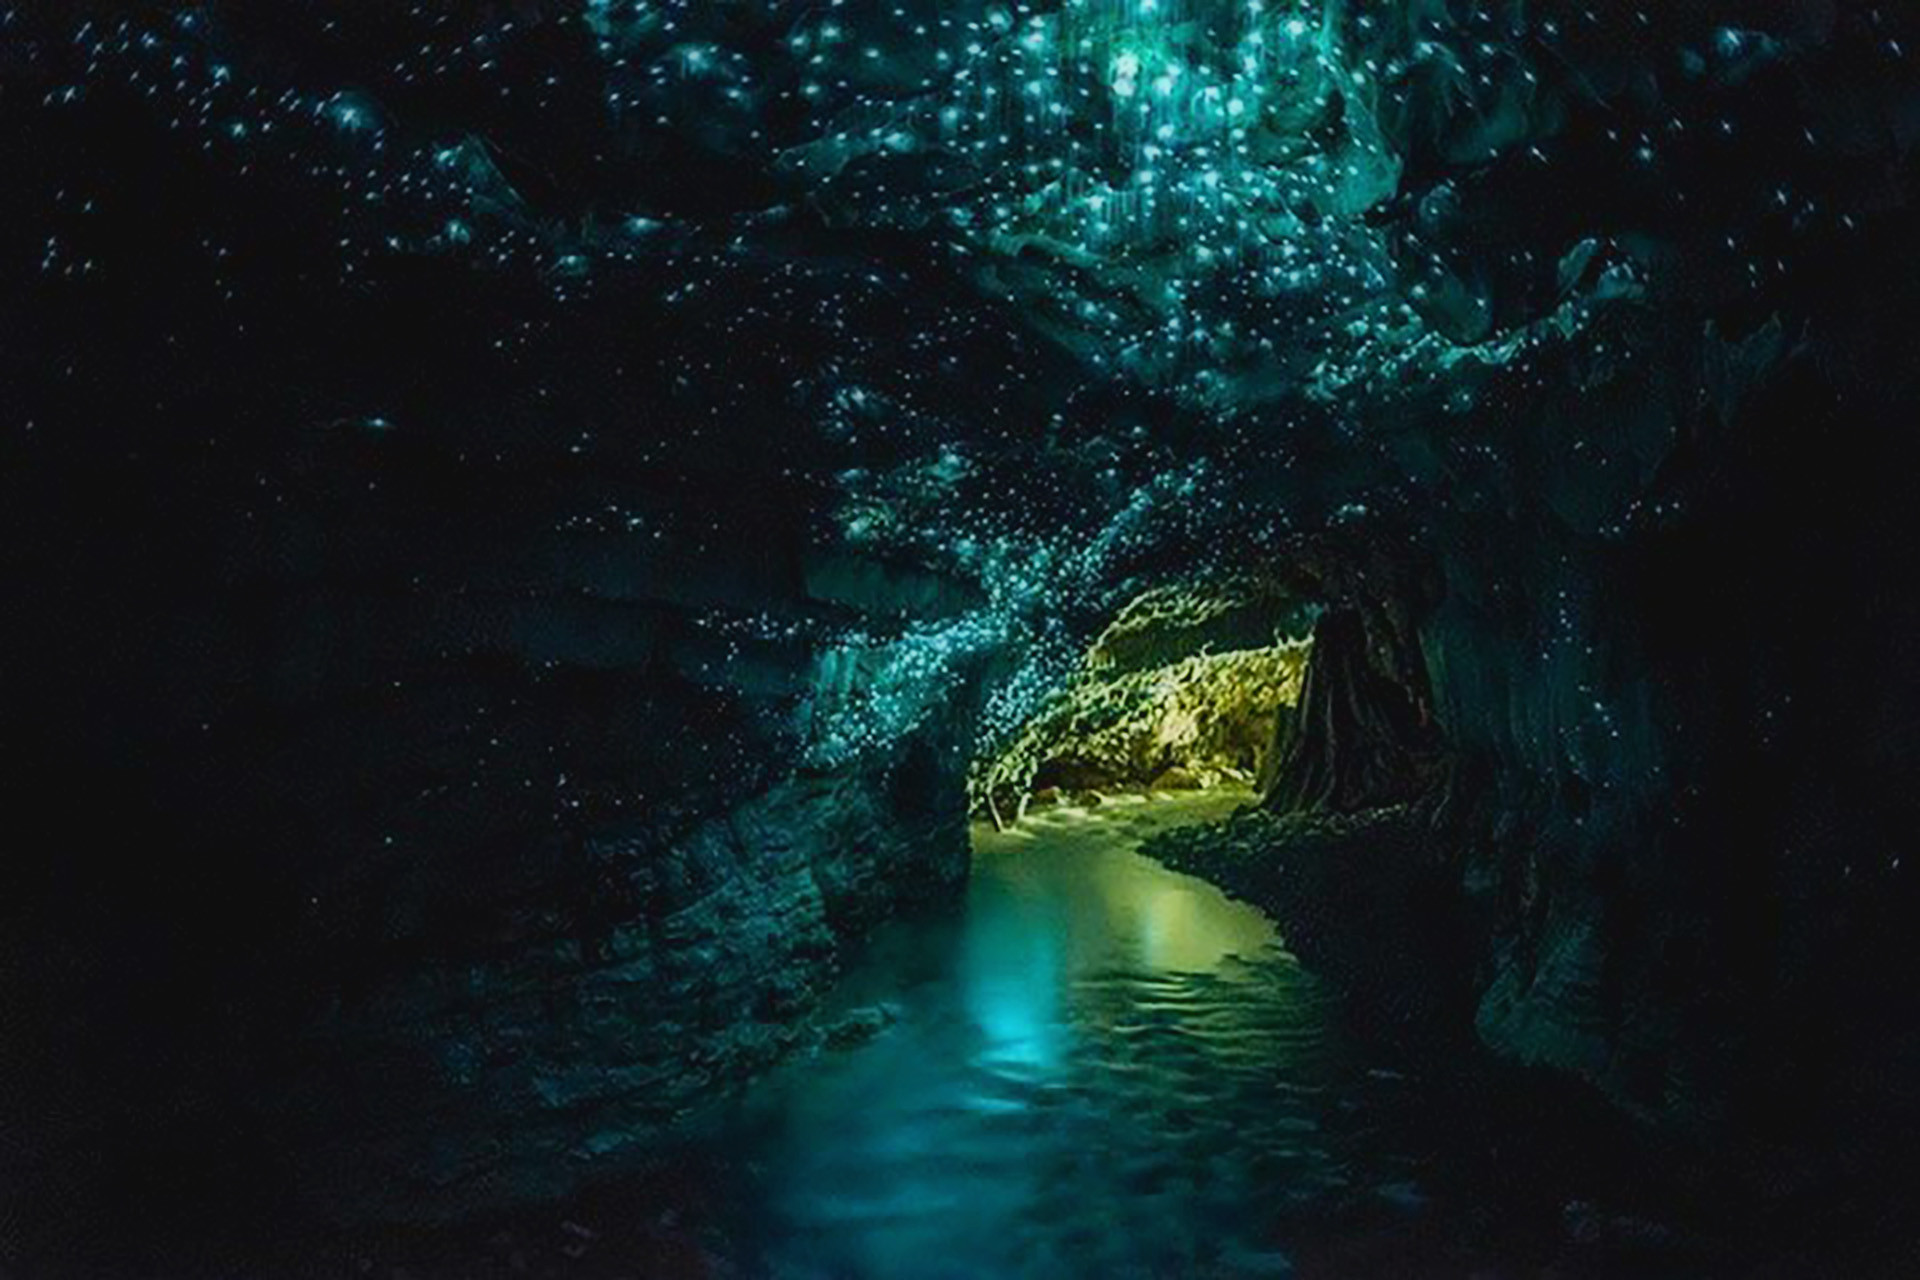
1095, 1066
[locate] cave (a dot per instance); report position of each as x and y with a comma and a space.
1189, 687
1303, 688
959, 638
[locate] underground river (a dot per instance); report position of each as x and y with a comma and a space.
1094, 1066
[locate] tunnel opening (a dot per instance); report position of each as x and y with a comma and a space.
1188, 688
1304, 688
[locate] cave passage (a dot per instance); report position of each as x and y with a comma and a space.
1190, 687
1315, 702
1092, 1066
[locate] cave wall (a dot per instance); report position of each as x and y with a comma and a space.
581, 1043
447, 737
1357, 738
469, 844
1186, 687
1669, 677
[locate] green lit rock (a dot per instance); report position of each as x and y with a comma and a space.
1154, 706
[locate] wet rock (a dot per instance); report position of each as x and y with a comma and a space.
858, 1026
700, 961
1155, 699
1264, 1263
1178, 778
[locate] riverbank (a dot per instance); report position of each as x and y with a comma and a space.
1538, 1171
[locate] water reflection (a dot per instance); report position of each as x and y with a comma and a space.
1098, 1068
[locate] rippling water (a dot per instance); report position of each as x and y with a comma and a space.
1096, 1067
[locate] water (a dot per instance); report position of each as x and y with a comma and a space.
1096, 1066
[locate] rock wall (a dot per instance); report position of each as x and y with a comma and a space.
1670, 682
478, 843
1187, 687
1357, 738
583, 1042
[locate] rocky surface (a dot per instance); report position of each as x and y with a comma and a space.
566, 839
1188, 687
701, 966
1588, 1185
1411, 968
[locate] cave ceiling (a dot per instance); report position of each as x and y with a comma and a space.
1046, 296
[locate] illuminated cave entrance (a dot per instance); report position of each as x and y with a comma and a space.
1186, 689
1247, 686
